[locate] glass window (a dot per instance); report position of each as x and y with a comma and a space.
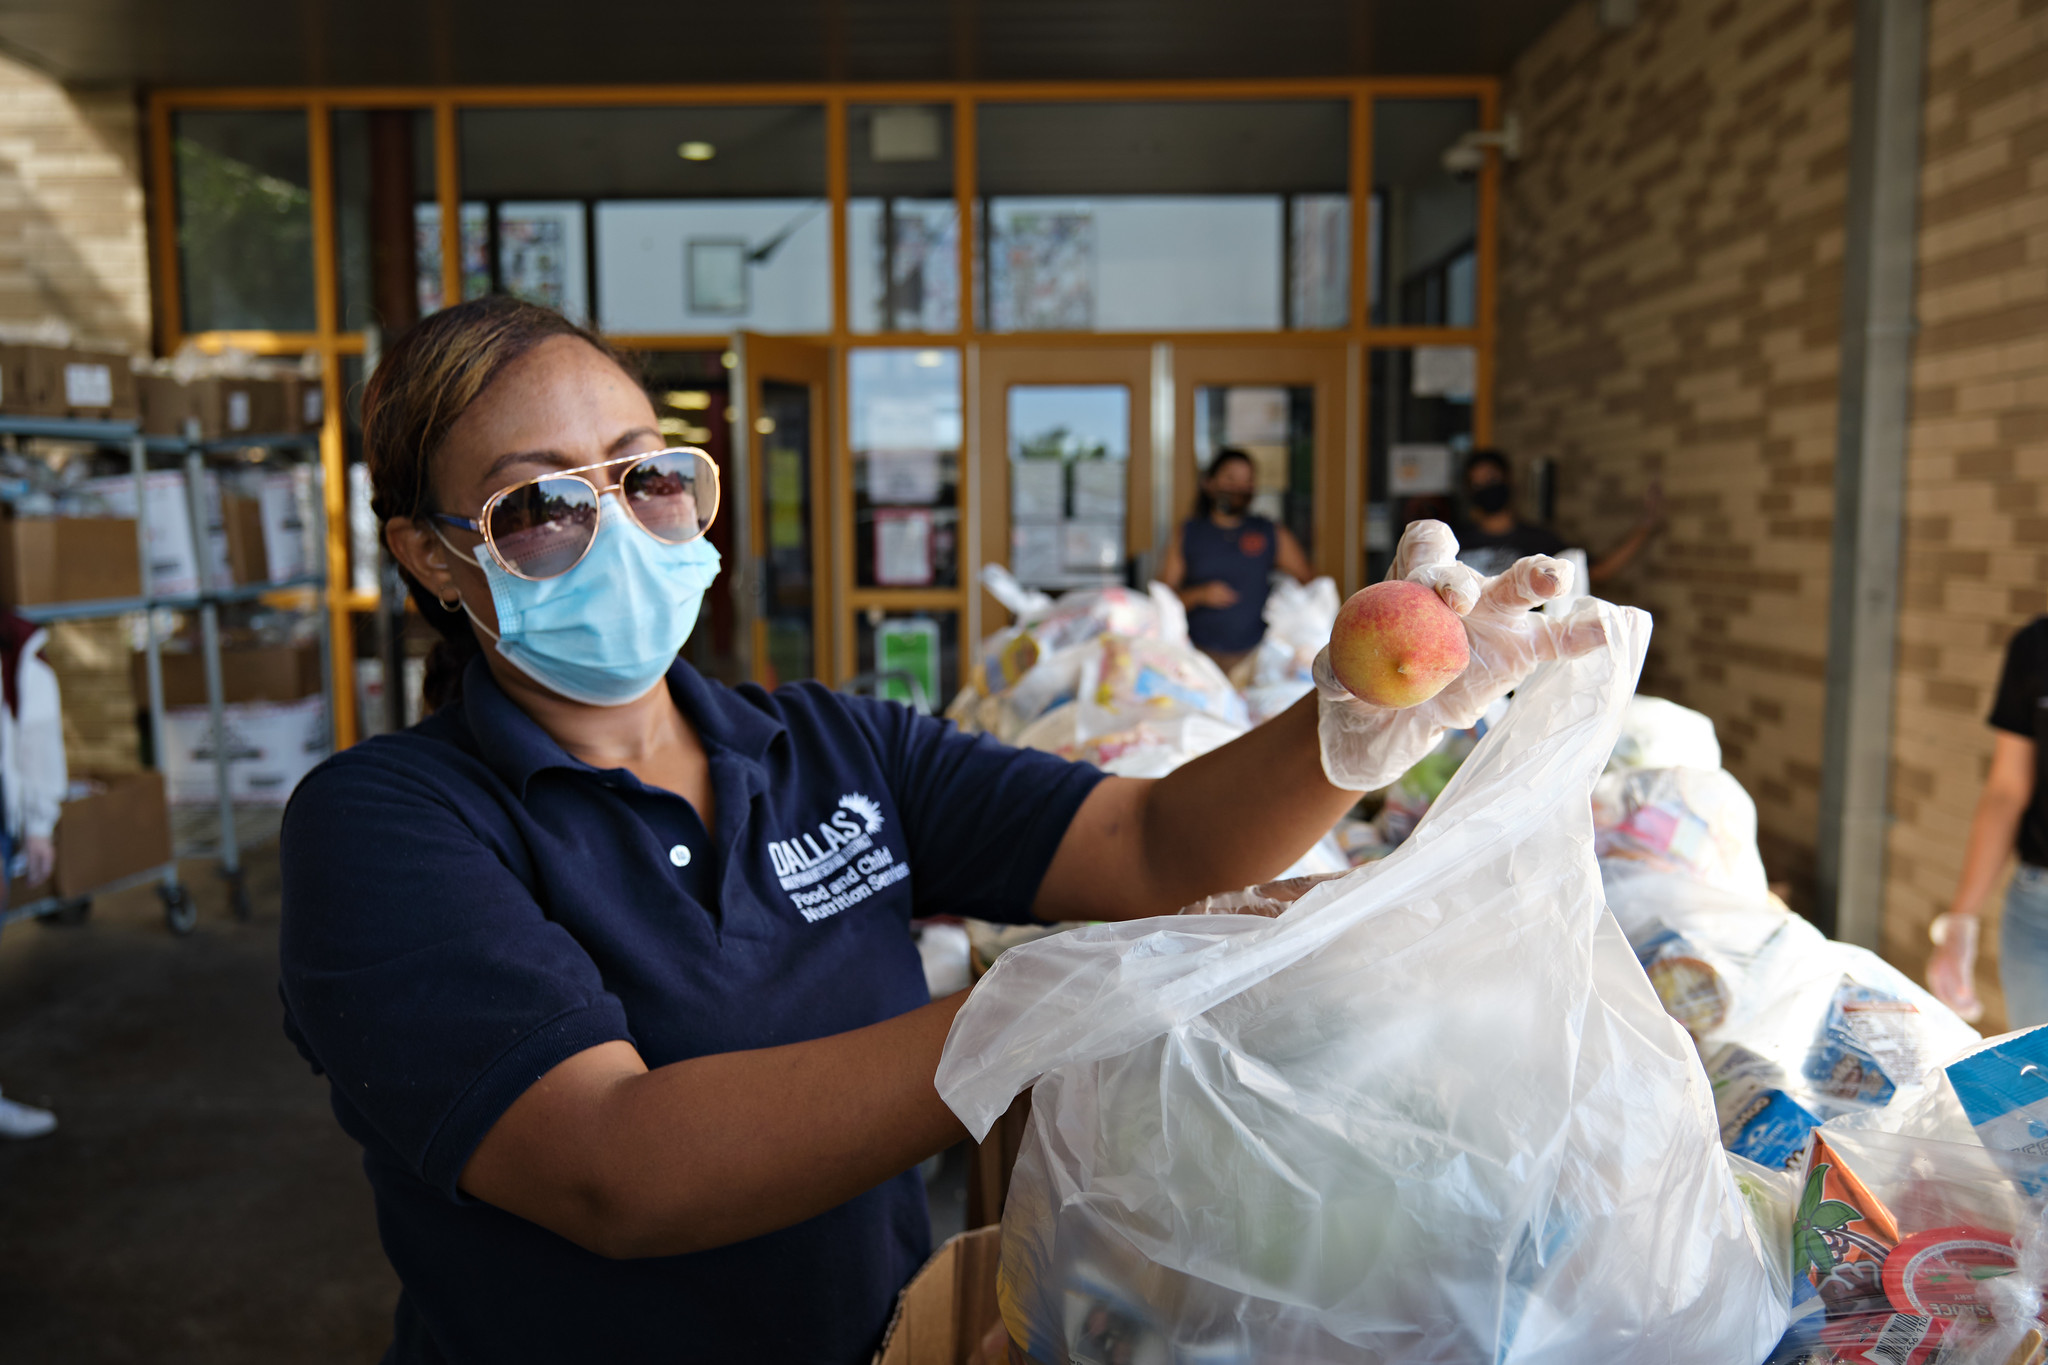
475, 240
787, 589
1070, 448
1420, 430
922, 644
1276, 427
662, 220
383, 165
245, 220
1425, 219
1226, 215
902, 224
905, 408
692, 395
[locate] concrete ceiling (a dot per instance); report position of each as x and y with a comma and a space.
556, 42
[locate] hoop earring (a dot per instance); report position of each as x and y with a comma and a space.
451, 603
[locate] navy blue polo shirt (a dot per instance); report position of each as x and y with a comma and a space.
465, 905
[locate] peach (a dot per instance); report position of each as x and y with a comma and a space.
1396, 644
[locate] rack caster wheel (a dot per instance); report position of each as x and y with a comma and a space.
181, 916
72, 912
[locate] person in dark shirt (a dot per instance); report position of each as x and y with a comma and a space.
609, 967
1221, 561
2011, 818
1496, 537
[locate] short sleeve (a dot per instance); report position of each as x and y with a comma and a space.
983, 818
2020, 685
417, 969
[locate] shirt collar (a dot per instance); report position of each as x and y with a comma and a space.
516, 747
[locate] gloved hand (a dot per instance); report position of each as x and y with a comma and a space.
1952, 971
1366, 747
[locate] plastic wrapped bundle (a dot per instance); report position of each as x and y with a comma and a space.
1695, 821
1428, 1112
1299, 618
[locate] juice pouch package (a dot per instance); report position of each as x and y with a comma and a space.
1869, 1044
1430, 1112
2004, 1091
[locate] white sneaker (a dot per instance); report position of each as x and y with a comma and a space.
18, 1120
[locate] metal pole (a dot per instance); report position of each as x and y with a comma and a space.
209, 644
1870, 462
152, 648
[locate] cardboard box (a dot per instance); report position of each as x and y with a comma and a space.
266, 531
242, 407
17, 399
270, 747
277, 673
166, 406
949, 1308
61, 381
173, 566
121, 828
67, 559
305, 403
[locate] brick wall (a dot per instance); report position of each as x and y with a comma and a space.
1669, 309
1976, 563
73, 247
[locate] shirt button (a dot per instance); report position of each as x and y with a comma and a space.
679, 855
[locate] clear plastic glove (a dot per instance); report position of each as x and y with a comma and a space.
1365, 747
41, 851
1952, 971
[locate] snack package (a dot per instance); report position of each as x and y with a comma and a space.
1689, 988
1870, 1043
1914, 1252
1760, 1119
2003, 1088
1429, 1112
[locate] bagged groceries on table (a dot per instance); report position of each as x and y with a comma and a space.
1299, 617
1695, 821
1656, 733
1430, 1111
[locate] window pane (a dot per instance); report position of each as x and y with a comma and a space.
245, 221
1425, 220
905, 407
1421, 430
1276, 427
902, 224
676, 220
1229, 215
399, 143
1070, 448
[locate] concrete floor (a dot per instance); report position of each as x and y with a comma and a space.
197, 1202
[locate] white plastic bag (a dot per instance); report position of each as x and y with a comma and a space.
1432, 1112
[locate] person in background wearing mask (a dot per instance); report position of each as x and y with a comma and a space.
1222, 559
2012, 817
609, 967
1496, 537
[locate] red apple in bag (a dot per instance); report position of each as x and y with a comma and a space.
1396, 644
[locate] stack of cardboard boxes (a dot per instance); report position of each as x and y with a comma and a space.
275, 718
64, 381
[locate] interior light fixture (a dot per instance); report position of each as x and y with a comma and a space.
687, 400
696, 151
929, 360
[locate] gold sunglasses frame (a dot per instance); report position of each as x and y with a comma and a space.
481, 523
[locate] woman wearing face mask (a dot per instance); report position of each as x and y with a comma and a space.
608, 966
1496, 537
1222, 559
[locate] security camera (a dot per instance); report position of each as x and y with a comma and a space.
1467, 156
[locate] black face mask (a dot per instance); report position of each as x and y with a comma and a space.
1489, 498
1232, 504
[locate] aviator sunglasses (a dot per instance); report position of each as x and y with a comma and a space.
542, 527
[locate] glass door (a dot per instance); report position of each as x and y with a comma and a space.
1284, 408
1066, 466
781, 583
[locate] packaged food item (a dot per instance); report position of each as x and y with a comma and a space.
1869, 1043
1760, 1120
2004, 1091
1695, 821
1691, 990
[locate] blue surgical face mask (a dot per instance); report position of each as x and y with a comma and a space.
605, 632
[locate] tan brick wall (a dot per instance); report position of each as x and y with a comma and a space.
1669, 309
73, 247
1976, 563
